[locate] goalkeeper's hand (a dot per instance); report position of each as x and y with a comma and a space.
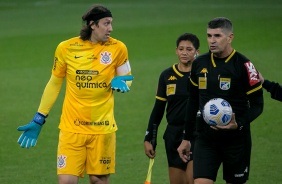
119, 83
31, 131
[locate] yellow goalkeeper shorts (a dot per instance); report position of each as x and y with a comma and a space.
80, 153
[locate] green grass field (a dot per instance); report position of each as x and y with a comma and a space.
30, 31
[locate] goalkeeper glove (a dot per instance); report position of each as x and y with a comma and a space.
31, 131
118, 83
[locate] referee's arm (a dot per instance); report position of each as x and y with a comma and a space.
274, 89
155, 118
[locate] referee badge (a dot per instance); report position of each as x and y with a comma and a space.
170, 89
202, 83
225, 83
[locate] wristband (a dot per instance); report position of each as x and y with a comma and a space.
39, 118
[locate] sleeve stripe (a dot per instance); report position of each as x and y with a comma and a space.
255, 89
160, 98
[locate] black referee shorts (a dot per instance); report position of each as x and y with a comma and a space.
173, 137
232, 149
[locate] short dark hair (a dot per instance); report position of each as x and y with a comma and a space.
95, 13
190, 37
221, 22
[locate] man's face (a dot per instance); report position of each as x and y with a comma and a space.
218, 40
102, 31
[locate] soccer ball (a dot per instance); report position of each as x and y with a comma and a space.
217, 111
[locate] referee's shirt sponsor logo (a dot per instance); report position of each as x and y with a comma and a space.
252, 73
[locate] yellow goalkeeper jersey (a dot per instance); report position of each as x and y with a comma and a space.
88, 106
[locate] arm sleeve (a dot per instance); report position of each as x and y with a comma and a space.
50, 94
191, 110
274, 88
256, 105
155, 118
254, 94
159, 107
256, 108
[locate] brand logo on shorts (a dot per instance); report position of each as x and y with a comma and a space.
61, 163
105, 160
78, 122
242, 174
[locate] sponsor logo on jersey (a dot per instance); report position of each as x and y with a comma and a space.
76, 44
76, 57
172, 78
61, 162
93, 57
106, 58
170, 89
89, 72
224, 83
78, 122
252, 73
84, 80
55, 63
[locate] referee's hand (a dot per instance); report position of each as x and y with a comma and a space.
149, 150
232, 125
184, 150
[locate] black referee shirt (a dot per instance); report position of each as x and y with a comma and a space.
173, 88
234, 79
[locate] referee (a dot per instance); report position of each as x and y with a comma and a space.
222, 73
172, 94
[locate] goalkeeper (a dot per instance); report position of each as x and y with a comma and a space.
93, 65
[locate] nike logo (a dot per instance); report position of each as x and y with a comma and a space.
77, 57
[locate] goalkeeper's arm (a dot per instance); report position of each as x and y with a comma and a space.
31, 130
123, 79
50, 94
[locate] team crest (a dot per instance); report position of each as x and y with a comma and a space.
61, 163
106, 58
225, 83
